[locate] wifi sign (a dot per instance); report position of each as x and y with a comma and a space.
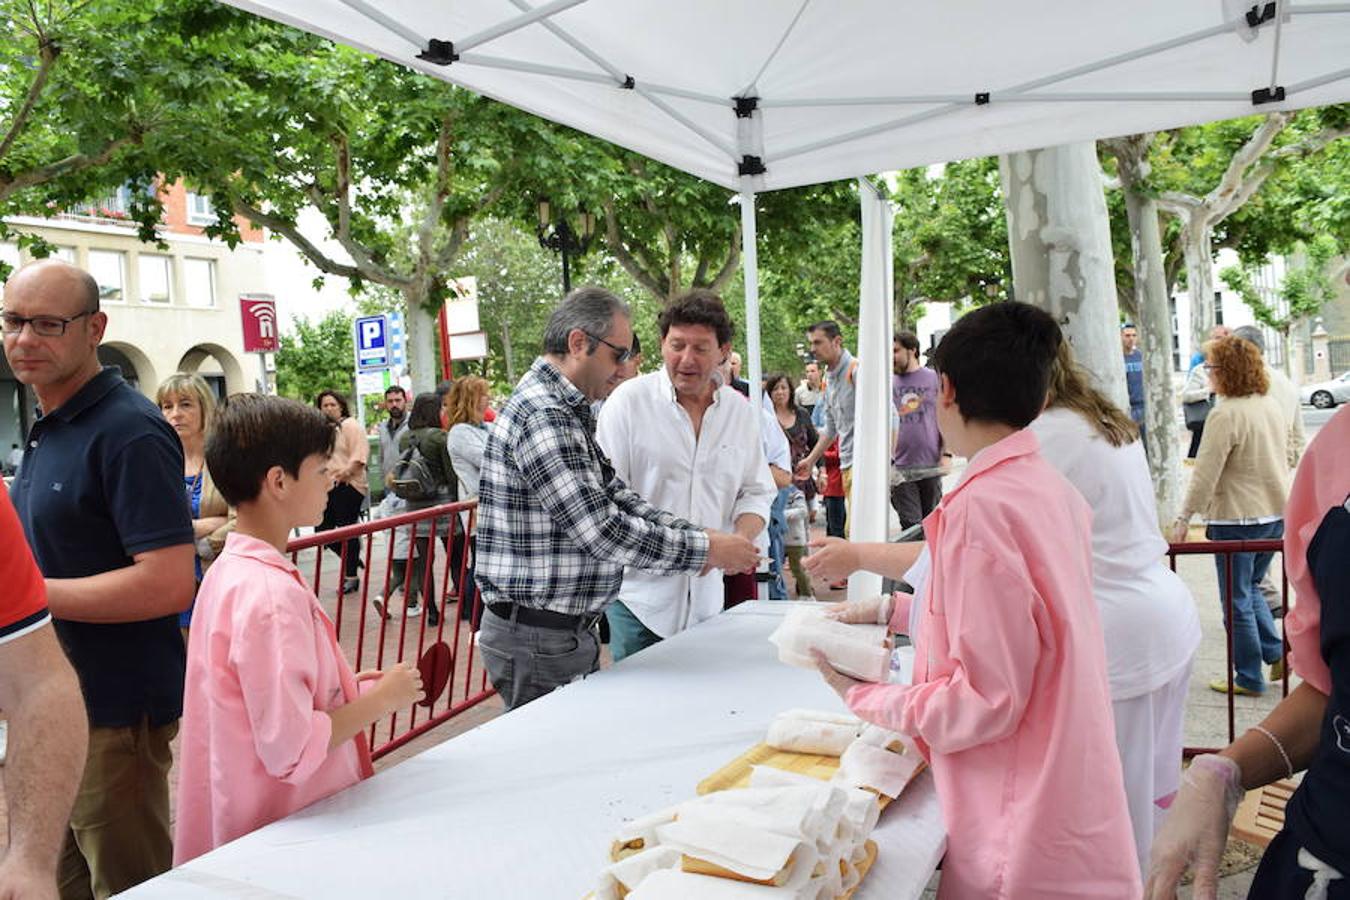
259, 313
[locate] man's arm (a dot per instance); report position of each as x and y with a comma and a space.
157, 583
48, 739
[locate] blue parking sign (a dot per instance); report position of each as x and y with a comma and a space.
372, 343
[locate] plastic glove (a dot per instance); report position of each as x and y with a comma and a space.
876, 611
205, 552
1196, 829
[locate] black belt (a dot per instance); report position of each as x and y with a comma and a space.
544, 618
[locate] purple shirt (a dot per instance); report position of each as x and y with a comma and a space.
914, 395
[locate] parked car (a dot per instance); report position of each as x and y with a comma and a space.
1326, 394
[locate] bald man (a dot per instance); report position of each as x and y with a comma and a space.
100, 496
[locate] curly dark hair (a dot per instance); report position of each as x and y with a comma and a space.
1235, 367
341, 401
698, 307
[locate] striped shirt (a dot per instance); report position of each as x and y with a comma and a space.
23, 603
555, 526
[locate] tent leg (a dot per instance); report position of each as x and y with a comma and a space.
750, 266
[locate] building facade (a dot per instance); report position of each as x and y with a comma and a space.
172, 309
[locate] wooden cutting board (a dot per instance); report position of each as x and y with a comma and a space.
736, 774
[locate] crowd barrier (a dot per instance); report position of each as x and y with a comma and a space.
1225, 550
454, 677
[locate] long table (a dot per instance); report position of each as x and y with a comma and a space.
525, 806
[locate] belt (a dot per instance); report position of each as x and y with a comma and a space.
544, 618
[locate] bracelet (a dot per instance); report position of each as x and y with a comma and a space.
1278, 746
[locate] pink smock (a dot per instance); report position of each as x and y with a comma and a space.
1322, 482
263, 671
1010, 700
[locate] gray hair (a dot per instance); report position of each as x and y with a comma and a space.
1252, 335
590, 309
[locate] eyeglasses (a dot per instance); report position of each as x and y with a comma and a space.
43, 326
621, 354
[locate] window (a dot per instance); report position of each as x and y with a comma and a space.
199, 209
65, 254
199, 281
109, 269
155, 278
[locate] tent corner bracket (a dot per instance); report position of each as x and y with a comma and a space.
982, 98
439, 53
1267, 95
1260, 13
745, 106
751, 165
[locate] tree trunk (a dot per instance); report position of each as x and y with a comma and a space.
1155, 326
506, 349
1060, 240
1198, 249
420, 326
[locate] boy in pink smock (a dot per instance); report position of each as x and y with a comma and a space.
273, 719
1010, 701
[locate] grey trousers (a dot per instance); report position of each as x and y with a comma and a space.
525, 662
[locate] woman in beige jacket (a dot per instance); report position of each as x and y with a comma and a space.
1240, 483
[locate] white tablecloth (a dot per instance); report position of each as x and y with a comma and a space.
525, 805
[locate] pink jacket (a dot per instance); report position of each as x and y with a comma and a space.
1319, 485
1010, 700
263, 670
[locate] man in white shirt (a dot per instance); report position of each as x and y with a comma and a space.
691, 447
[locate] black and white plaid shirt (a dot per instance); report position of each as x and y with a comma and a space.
555, 526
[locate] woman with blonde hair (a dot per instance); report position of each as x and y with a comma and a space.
187, 403
1240, 483
1148, 616
465, 405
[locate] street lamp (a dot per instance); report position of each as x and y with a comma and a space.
560, 238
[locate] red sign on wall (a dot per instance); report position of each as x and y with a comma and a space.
259, 312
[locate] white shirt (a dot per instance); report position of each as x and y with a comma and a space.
1148, 616
710, 481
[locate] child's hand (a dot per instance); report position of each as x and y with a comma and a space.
831, 558
834, 678
400, 685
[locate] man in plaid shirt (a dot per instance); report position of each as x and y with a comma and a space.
555, 527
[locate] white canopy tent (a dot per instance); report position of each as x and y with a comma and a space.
763, 94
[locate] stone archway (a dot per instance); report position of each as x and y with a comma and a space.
218, 366
135, 365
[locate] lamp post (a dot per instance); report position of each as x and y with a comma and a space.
560, 238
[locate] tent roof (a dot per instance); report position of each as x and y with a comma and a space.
851, 87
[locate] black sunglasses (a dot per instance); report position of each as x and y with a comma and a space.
621, 354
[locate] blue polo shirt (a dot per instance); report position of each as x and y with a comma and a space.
102, 480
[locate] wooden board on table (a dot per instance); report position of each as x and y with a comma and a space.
1260, 815
736, 774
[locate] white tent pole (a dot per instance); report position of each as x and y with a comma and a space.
488, 61
510, 25
753, 87
1275, 53
965, 99
1300, 10
811, 146
375, 14
750, 269
1316, 82
684, 120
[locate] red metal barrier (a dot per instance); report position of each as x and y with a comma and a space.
1226, 549
372, 642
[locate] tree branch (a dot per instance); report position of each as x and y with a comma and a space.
324, 262
1179, 204
48, 52
630, 265
76, 163
1220, 202
733, 262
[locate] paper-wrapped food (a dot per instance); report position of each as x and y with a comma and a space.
869, 763
860, 651
617, 881
733, 843
639, 834
812, 731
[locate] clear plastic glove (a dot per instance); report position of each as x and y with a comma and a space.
876, 611
1196, 829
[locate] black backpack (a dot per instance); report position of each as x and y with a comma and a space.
412, 478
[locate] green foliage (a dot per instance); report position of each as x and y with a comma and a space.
316, 356
1307, 285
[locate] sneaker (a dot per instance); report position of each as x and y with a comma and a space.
412, 610
1220, 686
1277, 670
380, 608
